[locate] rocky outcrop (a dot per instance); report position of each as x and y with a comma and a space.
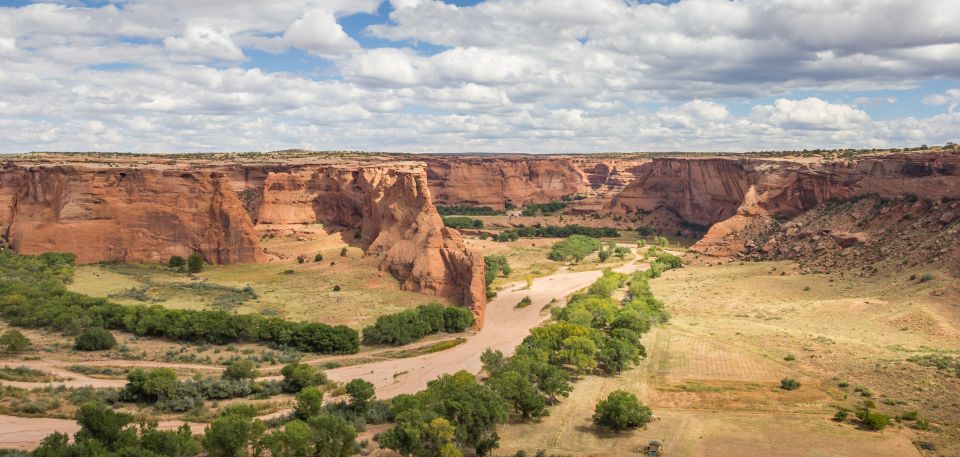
734, 195
390, 207
124, 214
495, 180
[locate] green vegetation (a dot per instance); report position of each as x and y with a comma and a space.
24, 374
536, 209
646, 230
410, 325
176, 262
872, 420
462, 222
493, 266
33, 294
467, 210
576, 247
621, 410
106, 433
942, 362
468, 411
95, 339
241, 369
553, 231
195, 263
160, 387
13, 341
789, 384
298, 376
523, 303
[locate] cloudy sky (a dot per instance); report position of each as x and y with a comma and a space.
468, 75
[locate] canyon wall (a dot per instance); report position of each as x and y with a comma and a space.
390, 206
728, 194
493, 181
150, 211
124, 214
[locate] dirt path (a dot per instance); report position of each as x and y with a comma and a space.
504, 329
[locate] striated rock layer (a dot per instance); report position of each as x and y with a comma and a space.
730, 194
494, 181
124, 214
124, 211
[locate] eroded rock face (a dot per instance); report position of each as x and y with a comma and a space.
493, 181
124, 214
391, 208
735, 195
104, 212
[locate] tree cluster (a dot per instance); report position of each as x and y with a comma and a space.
535, 209
462, 222
562, 231
412, 324
575, 247
464, 210
33, 295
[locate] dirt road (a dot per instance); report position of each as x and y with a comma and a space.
504, 329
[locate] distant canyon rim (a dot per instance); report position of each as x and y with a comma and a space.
146, 208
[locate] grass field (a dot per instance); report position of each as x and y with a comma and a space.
712, 374
283, 287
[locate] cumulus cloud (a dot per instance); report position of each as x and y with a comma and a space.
318, 32
517, 75
809, 114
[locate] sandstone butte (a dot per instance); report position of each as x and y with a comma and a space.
146, 208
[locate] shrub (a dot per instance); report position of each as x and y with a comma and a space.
318, 258
621, 410
840, 416
309, 403
95, 339
645, 230
343, 251
361, 393
789, 384
790, 358
873, 420
195, 263
13, 341
524, 302
297, 376
176, 261
336, 288
240, 369
926, 277
150, 386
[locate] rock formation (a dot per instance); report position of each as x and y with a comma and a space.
124, 214
730, 194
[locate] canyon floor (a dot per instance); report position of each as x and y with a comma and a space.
711, 376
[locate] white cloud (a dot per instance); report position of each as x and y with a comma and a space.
517, 75
203, 41
317, 31
809, 114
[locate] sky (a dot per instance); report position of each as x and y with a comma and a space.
537, 76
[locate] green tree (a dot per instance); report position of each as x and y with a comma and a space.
195, 263
579, 351
169, 443
295, 440
618, 354
95, 339
230, 435
309, 403
98, 422
621, 252
517, 390
621, 410
361, 393
789, 384
240, 369
603, 255
176, 261
492, 360
14, 341
332, 436
297, 376
158, 383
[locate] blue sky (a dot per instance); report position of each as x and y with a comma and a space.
495, 75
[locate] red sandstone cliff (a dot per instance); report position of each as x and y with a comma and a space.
146, 212
493, 181
729, 194
392, 209
125, 214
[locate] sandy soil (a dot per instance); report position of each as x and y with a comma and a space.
504, 329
